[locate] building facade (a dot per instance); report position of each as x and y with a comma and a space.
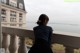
13, 13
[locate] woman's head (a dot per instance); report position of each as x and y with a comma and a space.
43, 19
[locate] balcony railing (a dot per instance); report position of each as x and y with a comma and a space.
69, 42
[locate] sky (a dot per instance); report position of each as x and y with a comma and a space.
58, 11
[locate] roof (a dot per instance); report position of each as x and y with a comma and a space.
18, 1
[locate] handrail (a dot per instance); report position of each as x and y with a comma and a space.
66, 40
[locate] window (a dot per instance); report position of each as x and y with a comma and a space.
20, 17
12, 19
20, 5
3, 11
12, 16
13, 4
20, 25
13, 13
3, 19
3, 1
20, 14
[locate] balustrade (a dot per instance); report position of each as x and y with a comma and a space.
17, 40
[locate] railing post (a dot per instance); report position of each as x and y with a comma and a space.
0, 28
22, 46
69, 49
13, 44
5, 42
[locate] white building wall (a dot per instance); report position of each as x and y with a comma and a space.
7, 24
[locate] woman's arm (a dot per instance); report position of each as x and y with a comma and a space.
50, 35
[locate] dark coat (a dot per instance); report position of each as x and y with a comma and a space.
42, 40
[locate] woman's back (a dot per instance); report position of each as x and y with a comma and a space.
43, 32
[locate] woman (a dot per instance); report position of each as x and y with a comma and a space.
42, 34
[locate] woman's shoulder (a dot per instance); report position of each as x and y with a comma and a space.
50, 28
35, 27
43, 27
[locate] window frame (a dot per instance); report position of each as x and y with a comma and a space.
20, 5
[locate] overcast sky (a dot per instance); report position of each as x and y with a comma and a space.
57, 10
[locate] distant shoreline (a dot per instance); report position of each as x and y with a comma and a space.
67, 33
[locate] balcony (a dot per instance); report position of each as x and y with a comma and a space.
71, 44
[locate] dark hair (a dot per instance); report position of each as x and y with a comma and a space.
42, 19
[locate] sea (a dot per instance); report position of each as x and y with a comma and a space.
63, 27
